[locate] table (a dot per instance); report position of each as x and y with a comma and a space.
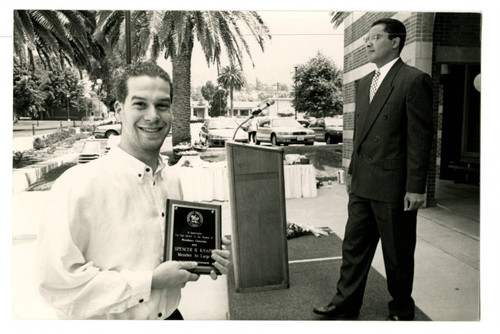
300, 181
210, 183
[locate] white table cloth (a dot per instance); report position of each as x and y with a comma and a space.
209, 183
300, 181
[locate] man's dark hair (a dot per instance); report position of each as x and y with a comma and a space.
394, 28
138, 70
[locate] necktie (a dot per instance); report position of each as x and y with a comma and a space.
374, 85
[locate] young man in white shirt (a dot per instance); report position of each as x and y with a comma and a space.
101, 241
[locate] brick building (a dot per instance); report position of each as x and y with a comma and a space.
447, 46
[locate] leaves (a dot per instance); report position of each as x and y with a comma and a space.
319, 87
61, 34
232, 78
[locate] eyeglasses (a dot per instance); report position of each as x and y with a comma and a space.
373, 38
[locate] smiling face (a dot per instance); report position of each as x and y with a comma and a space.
146, 117
381, 49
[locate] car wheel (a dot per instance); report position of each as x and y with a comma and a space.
110, 133
273, 140
328, 139
257, 142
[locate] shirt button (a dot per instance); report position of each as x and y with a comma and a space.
160, 314
154, 183
163, 214
147, 170
139, 175
141, 300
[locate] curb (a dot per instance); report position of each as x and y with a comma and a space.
23, 178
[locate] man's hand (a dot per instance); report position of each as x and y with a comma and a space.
413, 201
173, 274
222, 259
348, 179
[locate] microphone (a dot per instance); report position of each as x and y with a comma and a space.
266, 104
263, 105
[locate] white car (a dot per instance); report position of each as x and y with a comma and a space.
216, 131
283, 131
91, 151
108, 130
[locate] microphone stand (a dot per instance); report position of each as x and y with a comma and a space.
239, 126
254, 113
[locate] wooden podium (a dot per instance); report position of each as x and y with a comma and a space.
257, 200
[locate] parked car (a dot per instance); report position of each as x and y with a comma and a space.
108, 130
304, 122
215, 132
112, 141
91, 151
283, 131
328, 129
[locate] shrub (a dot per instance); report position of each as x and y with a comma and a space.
21, 159
53, 138
87, 128
39, 143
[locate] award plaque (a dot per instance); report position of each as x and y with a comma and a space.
192, 231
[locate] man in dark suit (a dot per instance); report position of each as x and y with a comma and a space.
392, 141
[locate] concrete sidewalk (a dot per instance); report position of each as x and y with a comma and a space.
447, 256
446, 285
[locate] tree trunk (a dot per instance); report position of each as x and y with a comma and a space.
181, 105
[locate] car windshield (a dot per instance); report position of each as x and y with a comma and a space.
222, 124
336, 121
286, 122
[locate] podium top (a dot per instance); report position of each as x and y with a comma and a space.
255, 147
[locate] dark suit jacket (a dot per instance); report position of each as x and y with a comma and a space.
392, 135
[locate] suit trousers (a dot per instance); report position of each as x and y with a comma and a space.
368, 221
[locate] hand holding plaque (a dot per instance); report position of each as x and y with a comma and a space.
192, 231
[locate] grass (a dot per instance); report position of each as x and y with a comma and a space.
46, 181
326, 159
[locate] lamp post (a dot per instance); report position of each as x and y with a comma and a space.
295, 92
219, 89
67, 106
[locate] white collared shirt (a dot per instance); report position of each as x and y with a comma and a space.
101, 237
384, 70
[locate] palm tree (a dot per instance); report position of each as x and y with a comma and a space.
232, 78
174, 33
64, 35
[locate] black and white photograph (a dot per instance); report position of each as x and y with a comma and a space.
333, 165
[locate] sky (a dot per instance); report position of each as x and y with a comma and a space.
296, 37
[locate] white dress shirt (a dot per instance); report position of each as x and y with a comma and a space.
384, 70
101, 237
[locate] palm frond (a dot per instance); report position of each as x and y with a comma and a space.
338, 18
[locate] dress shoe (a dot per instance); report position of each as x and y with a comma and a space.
394, 317
334, 311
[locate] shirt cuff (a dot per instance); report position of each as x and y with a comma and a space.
140, 285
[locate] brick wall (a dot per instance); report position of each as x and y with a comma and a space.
457, 29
